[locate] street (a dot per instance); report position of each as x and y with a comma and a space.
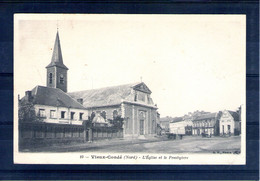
186, 145
189, 144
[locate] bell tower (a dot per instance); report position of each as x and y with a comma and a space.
56, 70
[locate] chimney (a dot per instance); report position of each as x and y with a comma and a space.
28, 95
80, 101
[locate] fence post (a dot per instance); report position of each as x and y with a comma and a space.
90, 135
85, 131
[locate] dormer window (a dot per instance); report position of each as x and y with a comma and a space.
50, 78
61, 79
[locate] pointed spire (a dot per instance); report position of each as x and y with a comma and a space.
57, 55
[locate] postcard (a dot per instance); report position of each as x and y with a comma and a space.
130, 89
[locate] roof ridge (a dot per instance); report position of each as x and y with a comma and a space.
132, 84
36, 89
49, 87
74, 99
231, 111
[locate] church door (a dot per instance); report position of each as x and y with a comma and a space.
141, 127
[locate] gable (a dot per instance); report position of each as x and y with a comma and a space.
142, 87
230, 114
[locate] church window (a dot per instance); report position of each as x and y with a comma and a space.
104, 114
62, 115
61, 79
115, 114
141, 115
42, 113
135, 96
50, 78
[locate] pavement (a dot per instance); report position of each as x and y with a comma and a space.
99, 144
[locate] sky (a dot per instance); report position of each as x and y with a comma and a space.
190, 62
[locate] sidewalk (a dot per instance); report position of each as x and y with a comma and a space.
100, 144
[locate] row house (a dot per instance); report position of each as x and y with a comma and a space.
206, 124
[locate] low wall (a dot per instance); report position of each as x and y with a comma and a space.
36, 134
99, 133
42, 134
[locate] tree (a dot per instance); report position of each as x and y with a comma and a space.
27, 113
117, 122
92, 116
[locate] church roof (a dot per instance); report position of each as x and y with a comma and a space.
52, 97
57, 55
110, 95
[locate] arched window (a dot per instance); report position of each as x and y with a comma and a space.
141, 115
61, 79
103, 114
50, 78
115, 114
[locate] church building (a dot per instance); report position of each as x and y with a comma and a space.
132, 102
53, 104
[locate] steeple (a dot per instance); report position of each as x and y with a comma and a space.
56, 70
57, 55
